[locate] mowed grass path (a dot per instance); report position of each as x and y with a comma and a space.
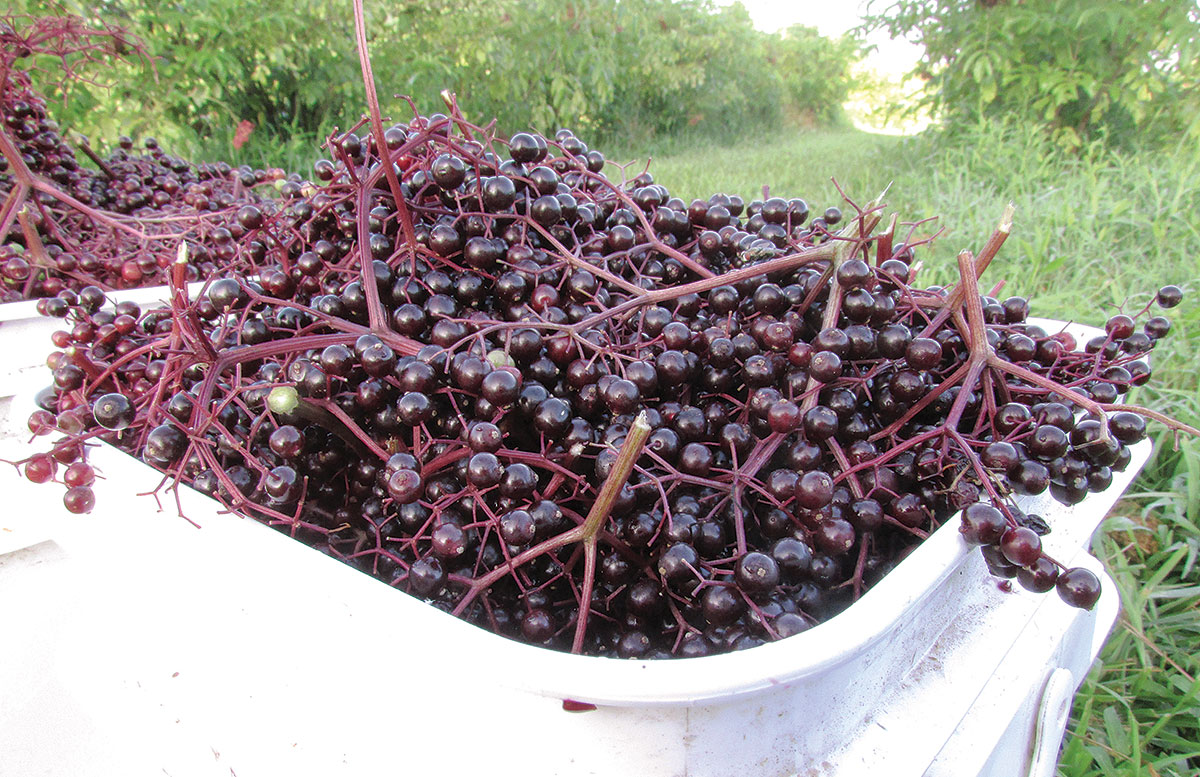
1091, 235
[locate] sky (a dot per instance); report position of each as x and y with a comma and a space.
831, 18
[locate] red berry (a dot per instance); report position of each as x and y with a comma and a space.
40, 468
79, 499
1021, 546
79, 474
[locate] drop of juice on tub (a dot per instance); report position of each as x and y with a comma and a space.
570, 705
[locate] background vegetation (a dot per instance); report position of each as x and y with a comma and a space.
1083, 70
1082, 113
628, 69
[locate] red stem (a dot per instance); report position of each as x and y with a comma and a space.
364, 58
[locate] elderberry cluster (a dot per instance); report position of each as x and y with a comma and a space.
113, 222
445, 354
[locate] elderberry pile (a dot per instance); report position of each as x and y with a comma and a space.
583, 413
115, 224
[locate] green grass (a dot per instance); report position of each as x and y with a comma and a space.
1091, 234
293, 154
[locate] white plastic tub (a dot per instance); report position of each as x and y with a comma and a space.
234, 638
286, 661
992, 696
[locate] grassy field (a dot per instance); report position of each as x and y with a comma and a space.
1091, 234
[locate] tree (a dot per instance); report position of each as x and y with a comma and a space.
631, 69
815, 71
1086, 69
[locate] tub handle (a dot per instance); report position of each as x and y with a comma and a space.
1054, 709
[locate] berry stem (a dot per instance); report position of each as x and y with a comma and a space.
86, 148
1170, 423
833, 310
376, 317
839, 456
37, 251
648, 229
16, 163
975, 334
883, 248
185, 320
12, 204
825, 251
585, 532
630, 451
337, 421
364, 58
960, 293
585, 593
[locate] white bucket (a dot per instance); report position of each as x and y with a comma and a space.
281, 660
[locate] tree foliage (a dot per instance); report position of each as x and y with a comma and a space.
815, 71
1086, 69
611, 68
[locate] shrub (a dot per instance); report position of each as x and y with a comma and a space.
1086, 70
